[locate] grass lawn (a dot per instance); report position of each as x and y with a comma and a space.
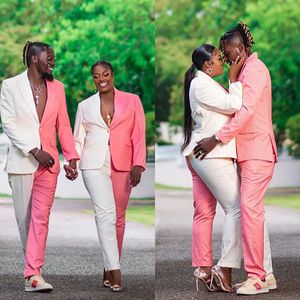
159, 186
289, 201
143, 214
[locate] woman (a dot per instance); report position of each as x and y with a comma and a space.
110, 139
209, 106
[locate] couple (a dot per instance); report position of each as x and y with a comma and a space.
109, 142
219, 127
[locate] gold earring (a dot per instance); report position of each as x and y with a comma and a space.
209, 72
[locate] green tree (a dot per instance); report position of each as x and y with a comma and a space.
185, 24
82, 32
293, 127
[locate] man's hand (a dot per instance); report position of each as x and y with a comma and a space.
71, 170
43, 157
135, 175
205, 146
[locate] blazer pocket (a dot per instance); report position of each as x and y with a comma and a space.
128, 143
53, 143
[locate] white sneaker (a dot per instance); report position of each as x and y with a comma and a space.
253, 286
270, 279
36, 283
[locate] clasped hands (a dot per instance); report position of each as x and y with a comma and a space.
71, 170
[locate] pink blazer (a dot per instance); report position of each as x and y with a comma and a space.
127, 132
56, 119
252, 124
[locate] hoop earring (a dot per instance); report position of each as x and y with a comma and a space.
209, 72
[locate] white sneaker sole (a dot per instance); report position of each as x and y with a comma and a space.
272, 286
40, 289
261, 291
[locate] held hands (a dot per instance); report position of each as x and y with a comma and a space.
205, 146
135, 175
235, 68
71, 170
43, 157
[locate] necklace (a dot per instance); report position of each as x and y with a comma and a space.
37, 92
108, 116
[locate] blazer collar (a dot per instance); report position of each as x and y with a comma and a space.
25, 89
95, 103
252, 57
208, 78
203, 75
118, 106
50, 99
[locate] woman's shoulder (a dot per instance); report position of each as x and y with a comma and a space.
204, 81
88, 100
125, 94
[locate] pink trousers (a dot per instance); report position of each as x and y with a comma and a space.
255, 178
43, 190
215, 180
122, 190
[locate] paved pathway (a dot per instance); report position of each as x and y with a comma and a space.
73, 262
174, 274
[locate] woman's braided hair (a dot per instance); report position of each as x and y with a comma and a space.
242, 31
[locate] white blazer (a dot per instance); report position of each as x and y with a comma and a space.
91, 134
212, 106
20, 123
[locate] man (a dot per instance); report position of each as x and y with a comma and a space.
256, 151
33, 109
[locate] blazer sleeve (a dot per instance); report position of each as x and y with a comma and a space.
18, 136
217, 99
138, 135
79, 131
254, 83
64, 130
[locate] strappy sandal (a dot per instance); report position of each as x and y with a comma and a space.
115, 288
208, 282
106, 282
219, 278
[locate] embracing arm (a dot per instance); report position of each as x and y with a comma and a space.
213, 97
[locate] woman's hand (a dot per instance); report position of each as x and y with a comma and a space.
235, 68
135, 175
71, 170
43, 157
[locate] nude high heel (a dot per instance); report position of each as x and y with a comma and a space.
201, 275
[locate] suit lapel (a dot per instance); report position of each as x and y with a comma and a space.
25, 89
119, 103
95, 109
50, 99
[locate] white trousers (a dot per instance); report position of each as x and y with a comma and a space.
99, 185
21, 185
221, 178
